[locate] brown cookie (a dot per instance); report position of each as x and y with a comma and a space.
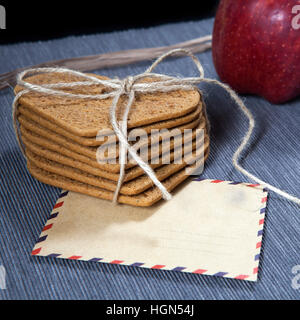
166, 124
29, 136
91, 152
145, 199
130, 174
85, 117
132, 187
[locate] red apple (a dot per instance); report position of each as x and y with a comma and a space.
256, 47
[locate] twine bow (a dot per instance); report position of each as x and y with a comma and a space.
129, 87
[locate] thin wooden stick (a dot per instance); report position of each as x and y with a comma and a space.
112, 59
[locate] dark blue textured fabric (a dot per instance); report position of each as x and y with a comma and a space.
273, 155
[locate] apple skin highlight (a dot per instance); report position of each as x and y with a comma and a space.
256, 49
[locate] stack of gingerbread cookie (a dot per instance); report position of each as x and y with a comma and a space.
62, 139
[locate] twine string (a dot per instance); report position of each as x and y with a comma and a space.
129, 87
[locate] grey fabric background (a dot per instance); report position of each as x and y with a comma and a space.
273, 155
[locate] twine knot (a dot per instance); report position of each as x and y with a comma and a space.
127, 85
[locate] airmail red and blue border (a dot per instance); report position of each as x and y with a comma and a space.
251, 276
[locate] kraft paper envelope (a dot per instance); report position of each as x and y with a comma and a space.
210, 227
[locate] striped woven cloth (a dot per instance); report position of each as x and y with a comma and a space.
25, 204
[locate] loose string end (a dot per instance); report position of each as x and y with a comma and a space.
167, 196
245, 140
